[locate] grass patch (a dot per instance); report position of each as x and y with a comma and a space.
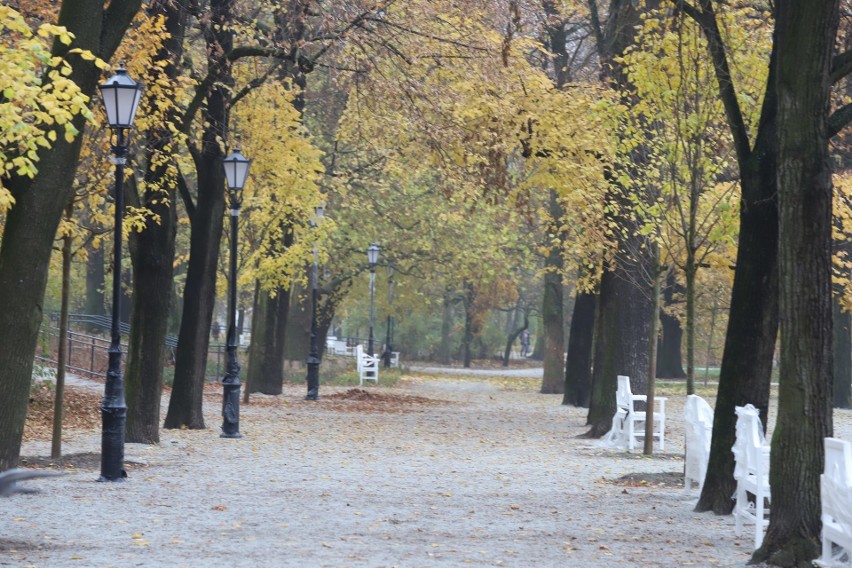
347, 378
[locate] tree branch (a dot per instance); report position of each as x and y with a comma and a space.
841, 66
839, 119
706, 19
185, 196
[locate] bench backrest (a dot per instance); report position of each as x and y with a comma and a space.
749, 447
698, 422
836, 484
623, 394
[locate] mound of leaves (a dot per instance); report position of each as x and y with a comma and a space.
361, 400
81, 411
659, 479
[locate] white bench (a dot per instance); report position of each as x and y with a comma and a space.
836, 496
628, 424
751, 472
698, 426
367, 365
338, 347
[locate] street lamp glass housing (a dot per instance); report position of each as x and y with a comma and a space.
121, 96
319, 213
373, 254
236, 169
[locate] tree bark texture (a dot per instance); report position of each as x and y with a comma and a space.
185, 404
552, 310
95, 277
152, 252
623, 308
842, 352
578, 361
266, 356
469, 316
297, 337
805, 35
669, 354
30, 226
62, 351
621, 346
753, 322
444, 349
269, 331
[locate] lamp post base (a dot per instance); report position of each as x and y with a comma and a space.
231, 410
313, 378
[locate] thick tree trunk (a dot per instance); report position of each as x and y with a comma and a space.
266, 356
578, 362
552, 310
30, 226
669, 354
152, 252
269, 332
95, 277
507, 353
753, 322
623, 316
621, 346
444, 349
669, 362
297, 337
467, 340
805, 34
842, 375
842, 348
185, 404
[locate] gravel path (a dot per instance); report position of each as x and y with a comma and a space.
479, 474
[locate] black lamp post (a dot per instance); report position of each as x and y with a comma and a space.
121, 96
313, 355
236, 172
388, 354
372, 258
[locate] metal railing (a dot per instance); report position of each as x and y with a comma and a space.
88, 354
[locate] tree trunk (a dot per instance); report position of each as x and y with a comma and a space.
578, 362
62, 355
753, 322
842, 348
185, 404
805, 34
444, 349
538, 347
669, 363
623, 317
152, 252
126, 295
842, 376
269, 331
30, 226
552, 310
621, 346
648, 448
690, 324
297, 337
95, 277
512, 337
266, 356
669, 360
467, 340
